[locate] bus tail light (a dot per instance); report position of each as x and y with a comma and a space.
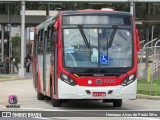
68, 79
128, 80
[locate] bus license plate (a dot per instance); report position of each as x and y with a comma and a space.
95, 94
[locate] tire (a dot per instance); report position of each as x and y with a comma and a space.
117, 102
48, 98
107, 100
40, 96
64, 100
56, 103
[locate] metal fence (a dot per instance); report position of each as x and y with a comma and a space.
149, 68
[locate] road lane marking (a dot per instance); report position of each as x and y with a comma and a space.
150, 100
137, 118
51, 118
37, 109
143, 118
41, 118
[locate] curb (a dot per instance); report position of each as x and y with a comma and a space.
13, 79
141, 96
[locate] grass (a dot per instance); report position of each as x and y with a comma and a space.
8, 77
144, 87
4, 77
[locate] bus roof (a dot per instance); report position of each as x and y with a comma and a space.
47, 23
90, 11
51, 20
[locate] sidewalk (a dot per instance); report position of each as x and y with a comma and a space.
10, 77
141, 96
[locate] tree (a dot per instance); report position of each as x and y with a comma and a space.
16, 42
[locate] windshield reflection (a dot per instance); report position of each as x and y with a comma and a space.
100, 54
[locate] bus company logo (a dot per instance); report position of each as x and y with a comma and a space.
99, 81
105, 81
12, 99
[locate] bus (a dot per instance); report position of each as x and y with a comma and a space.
88, 55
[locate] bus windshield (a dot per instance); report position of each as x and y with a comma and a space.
100, 53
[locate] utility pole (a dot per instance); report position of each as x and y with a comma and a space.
147, 50
47, 10
22, 71
2, 42
132, 8
153, 26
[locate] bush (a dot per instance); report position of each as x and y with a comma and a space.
16, 42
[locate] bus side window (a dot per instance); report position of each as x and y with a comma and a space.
40, 42
35, 44
48, 40
53, 38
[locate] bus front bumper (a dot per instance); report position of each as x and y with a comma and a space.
66, 91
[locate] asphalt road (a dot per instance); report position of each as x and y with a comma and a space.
27, 100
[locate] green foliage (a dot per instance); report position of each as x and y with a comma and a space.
3, 9
141, 10
16, 8
155, 81
16, 42
85, 5
121, 6
144, 87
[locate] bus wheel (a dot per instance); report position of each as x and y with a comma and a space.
56, 103
117, 102
40, 96
48, 98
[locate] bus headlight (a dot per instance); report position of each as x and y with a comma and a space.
68, 79
128, 80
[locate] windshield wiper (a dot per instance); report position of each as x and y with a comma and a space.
84, 36
112, 35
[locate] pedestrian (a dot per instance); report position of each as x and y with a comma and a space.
27, 63
15, 62
7, 64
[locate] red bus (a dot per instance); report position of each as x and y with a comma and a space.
86, 54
